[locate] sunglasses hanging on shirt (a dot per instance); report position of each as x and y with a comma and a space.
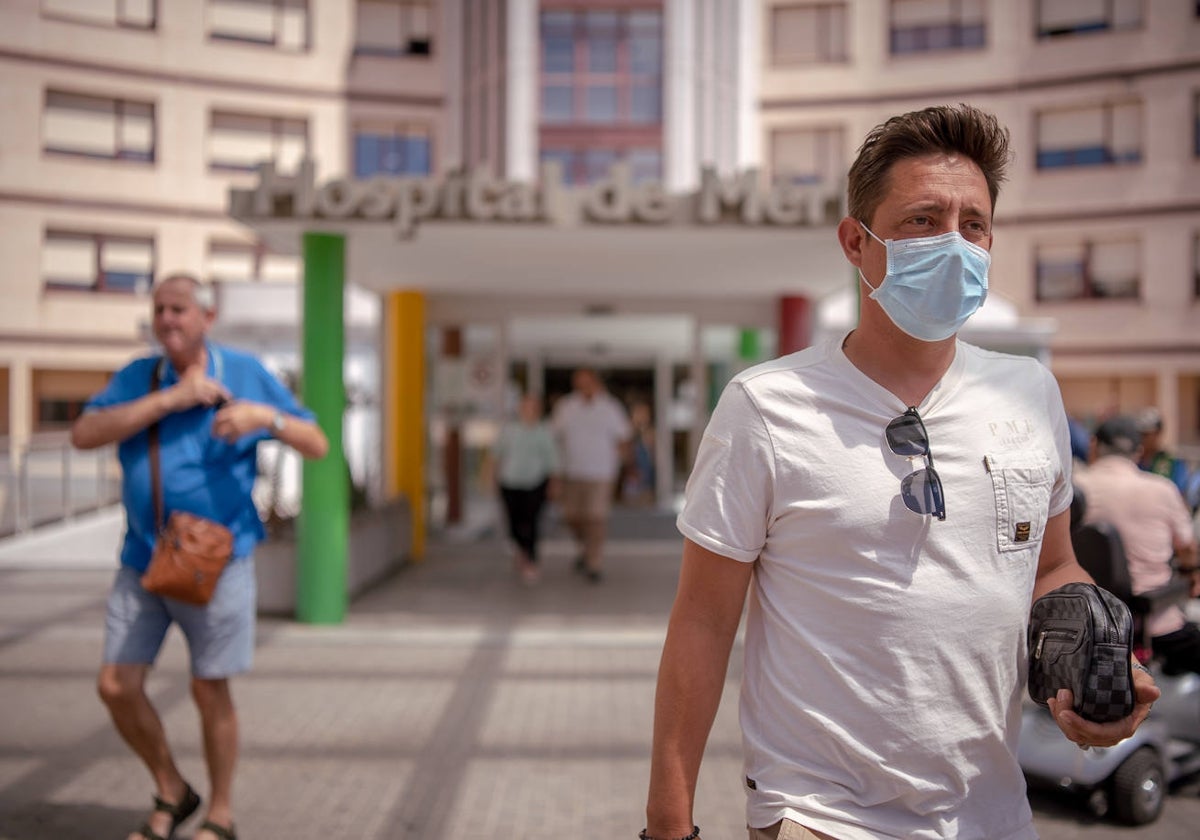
921, 490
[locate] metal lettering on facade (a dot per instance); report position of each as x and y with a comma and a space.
477, 196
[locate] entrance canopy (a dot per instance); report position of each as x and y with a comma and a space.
730, 249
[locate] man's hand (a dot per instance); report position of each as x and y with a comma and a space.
195, 388
240, 418
1086, 733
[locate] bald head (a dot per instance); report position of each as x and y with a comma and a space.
202, 293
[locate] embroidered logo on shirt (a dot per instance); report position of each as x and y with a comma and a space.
1022, 533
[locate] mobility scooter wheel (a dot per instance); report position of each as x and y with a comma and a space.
1139, 789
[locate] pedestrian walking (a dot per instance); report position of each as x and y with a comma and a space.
188, 422
594, 432
885, 640
526, 467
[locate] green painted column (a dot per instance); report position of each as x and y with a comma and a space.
323, 526
748, 345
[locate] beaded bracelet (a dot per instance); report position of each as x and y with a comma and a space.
642, 835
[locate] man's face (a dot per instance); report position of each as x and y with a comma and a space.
180, 323
584, 381
530, 410
928, 196
1151, 438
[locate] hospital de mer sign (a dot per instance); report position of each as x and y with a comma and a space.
476, 196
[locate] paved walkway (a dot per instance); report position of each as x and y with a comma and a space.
453, 703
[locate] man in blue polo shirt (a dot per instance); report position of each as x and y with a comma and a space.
213, 405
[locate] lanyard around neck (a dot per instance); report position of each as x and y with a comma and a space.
164, 364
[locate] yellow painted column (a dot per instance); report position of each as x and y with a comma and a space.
404, 418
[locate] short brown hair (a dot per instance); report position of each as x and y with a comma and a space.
962, 129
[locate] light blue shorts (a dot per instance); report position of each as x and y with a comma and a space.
220, 634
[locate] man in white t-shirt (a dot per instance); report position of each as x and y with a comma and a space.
885, 650
593, 430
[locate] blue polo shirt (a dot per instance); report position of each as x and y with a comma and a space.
201, 474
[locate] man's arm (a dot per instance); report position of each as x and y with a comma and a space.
1057, 566
241, 417
1056, 563
1183, 544
305, 436
103, 426
691, 677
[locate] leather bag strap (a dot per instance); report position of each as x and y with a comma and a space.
155, 475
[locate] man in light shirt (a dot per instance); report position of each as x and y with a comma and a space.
593, 431
1155, 526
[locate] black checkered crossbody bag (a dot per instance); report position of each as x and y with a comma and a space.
1080, 637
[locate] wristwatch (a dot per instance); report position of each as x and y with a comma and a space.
277, 424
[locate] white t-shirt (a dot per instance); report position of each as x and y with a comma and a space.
590, 433
885, 651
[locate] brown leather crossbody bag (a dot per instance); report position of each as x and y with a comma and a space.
190, 552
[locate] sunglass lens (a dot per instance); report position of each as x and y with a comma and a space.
922, 493
906, 436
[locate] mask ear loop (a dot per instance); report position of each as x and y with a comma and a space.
881, 242
871, 232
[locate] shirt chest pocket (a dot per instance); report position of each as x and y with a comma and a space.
1021, 483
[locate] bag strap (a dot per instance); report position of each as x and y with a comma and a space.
156, 374
155, 476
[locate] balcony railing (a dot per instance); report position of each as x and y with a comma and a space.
47, 480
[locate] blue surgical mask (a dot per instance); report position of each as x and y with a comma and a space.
933, 283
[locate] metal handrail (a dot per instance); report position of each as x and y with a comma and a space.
47, 480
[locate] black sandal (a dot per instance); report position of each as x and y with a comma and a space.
225, 833
179, 812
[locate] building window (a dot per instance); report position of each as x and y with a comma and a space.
581, 166
1196, 123
239, 142
60, 395
813, 33
1057, 18
98, 127
393, 27
601, 67
230, 261
55, 414
807, 155
276, 23
97, 262
1086, 270
1196, 245
929, 25
131, 14
391, 149
1095, 135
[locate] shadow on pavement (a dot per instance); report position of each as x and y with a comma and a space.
64, 821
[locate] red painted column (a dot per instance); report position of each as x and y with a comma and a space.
795, 323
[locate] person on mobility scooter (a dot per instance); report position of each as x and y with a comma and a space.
1133, 534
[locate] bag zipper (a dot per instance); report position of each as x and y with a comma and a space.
1065, 634
1111, 630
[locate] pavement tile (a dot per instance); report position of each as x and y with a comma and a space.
453, 703
346, 715
298, 796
